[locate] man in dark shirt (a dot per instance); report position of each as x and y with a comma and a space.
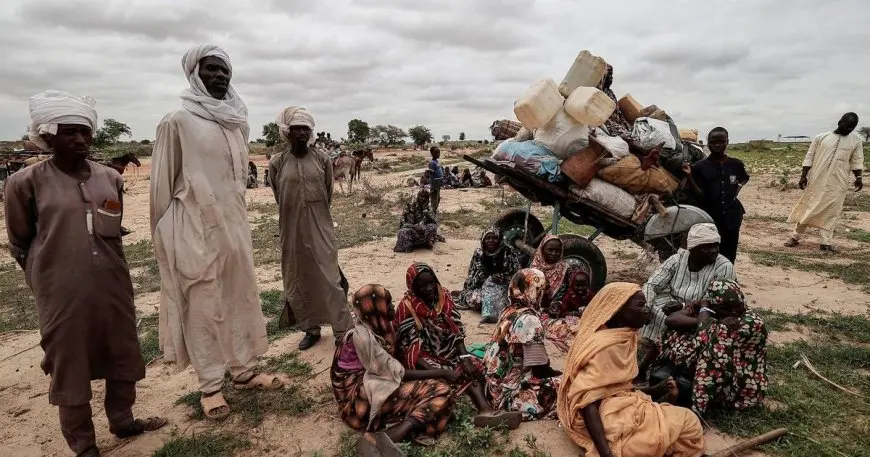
436, 178
716, 181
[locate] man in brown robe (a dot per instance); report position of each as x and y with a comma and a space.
63, 217
302, 182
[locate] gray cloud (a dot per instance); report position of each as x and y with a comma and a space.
759, 68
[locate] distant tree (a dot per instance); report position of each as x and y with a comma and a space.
271, 135
420, 135
865, 132
110, 132
358, 131
145, 142
445, 138
387, 135
461, 136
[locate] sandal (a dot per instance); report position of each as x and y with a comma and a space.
260, 381
89, 452
140, 426
424, 440
496, 419
377, 445
214, 407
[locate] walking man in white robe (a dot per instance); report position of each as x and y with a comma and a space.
825, 181
210, 312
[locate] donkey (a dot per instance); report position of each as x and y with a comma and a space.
358, 156
343, 168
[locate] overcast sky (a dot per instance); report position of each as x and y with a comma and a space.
757, 67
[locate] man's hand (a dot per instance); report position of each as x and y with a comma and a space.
687, 169
859, 184
803, 182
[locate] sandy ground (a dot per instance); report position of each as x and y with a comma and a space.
29, 427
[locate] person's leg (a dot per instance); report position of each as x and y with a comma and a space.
120, 396
77, 427
728, 245
435, 197
826, 238
797, 233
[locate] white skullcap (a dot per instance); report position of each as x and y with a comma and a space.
231, 112
292, 116
52, 108
701, 234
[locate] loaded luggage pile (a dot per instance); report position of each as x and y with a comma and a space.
618, 154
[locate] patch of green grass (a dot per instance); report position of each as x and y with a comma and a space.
18, 307
857, 201
143, 267
832, 326
265, 240
859, 235
148, 337
268, 209
821, 419
212, 444
253, 405
857, 273
273, 305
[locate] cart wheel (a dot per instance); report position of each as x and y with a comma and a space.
584, 254
512, 224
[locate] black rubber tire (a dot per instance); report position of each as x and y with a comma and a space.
581, 252
514, 219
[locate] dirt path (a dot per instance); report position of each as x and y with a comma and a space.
28, 425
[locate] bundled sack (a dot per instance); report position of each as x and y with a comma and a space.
614, 199
529, 157
627, 174
616, 146
582, 166
563, 135
653, 132
504, 129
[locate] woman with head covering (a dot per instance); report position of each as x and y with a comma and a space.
716, 350
302, 182
63, 219
466, 180
418, 227
549, 258
684, 278
597, 403
492, 265
562, 317
518, 372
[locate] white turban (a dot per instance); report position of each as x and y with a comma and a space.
292, 116
701, 234
52, 108
231, 112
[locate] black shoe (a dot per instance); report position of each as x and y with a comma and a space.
309, 340
489, 320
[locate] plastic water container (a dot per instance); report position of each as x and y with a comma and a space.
586, 71
589, 106
630, 108
539, 104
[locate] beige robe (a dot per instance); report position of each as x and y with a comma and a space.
831, 157
309, 257
210, 312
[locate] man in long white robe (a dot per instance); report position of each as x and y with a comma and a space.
210, 312
825, 180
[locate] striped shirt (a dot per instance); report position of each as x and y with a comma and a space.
673, 281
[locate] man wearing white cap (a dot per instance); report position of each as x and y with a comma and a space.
302, 183
63, 218
684, 277
210, 313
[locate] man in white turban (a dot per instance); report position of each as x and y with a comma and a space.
63, 218
210, 313
302, 183
684, 277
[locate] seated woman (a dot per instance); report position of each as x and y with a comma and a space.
479, 179
562, 317
597, 403
418, 227
716, 351
489, 273
684, 277
518, 372
430, 336
466, 179
549, 259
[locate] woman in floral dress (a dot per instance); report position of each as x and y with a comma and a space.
490, 270
718, 349
518, 372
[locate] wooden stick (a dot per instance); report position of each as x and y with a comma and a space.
751, 443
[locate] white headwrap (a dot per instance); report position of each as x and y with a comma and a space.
294, 115
52, 108
701, 234
231, 112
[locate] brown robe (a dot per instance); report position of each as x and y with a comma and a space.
71, 243
309, 258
